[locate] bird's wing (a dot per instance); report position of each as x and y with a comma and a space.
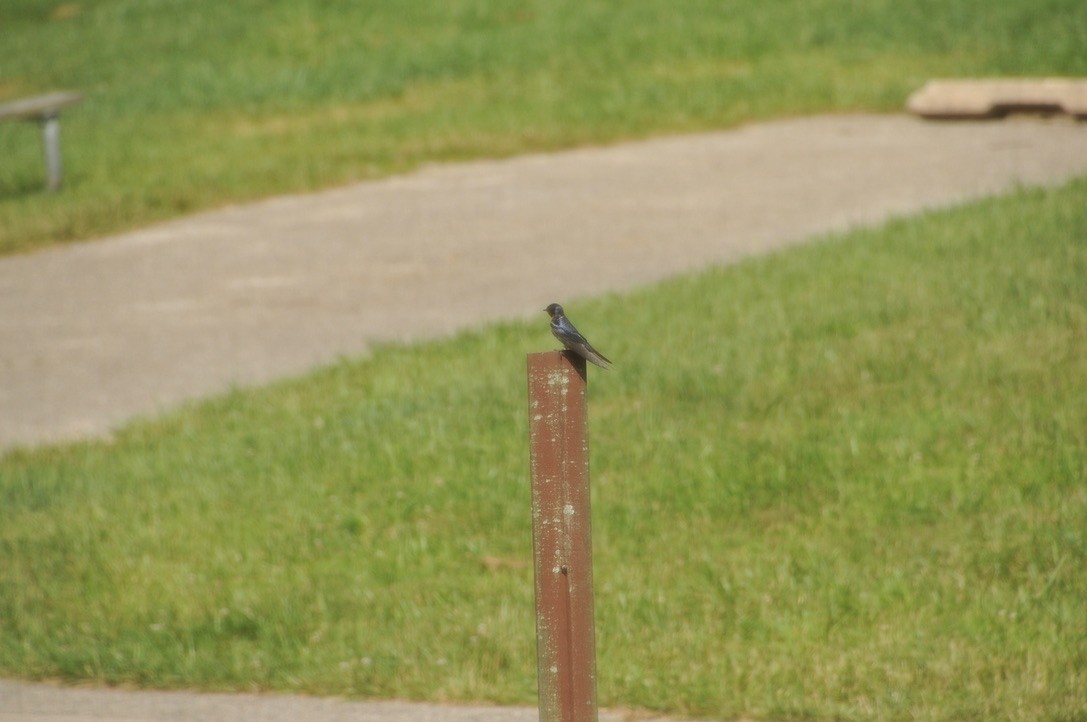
569, 332
573, 340
590, 349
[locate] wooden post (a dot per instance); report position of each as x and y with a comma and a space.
562, 537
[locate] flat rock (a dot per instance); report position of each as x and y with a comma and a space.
991, 98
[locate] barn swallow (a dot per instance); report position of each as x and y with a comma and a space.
564, 331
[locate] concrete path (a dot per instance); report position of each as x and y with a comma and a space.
96, 333
21, 702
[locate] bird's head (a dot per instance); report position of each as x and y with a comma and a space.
554, 309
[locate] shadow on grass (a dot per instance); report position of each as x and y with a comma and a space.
23, 186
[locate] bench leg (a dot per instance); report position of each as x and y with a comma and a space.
51, 140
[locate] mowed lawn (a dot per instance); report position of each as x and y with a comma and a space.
845, 482
192, 104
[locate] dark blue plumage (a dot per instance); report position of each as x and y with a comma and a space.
570, 337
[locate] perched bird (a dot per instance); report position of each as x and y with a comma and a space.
564, 331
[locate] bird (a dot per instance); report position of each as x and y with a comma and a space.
572, 339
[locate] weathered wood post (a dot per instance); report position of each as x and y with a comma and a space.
562, 537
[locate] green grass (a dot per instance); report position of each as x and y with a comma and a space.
845, 482
192, 104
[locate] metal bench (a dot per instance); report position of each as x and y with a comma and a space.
46, 110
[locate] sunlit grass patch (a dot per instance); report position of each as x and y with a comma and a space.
848, 481
235, 101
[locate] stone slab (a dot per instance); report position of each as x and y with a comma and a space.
992, 98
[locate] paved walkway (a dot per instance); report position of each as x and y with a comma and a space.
96, 333
21, 702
